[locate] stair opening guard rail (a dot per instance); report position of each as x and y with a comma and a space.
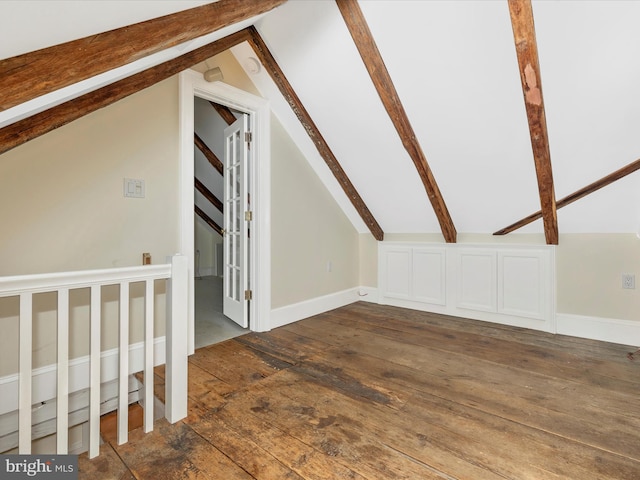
25, 286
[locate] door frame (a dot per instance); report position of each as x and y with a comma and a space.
192, 84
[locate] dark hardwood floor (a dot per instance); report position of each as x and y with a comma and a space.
376, 392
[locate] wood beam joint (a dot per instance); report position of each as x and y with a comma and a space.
577, 195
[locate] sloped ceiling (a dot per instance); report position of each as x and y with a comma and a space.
454, 66
29, 25
455, 69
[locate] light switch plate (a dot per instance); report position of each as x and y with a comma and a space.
133, 188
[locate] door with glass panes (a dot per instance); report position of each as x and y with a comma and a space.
236, 223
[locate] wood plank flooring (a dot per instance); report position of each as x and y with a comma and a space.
376, 392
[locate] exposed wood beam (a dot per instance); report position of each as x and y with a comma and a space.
30, 75
271, 66
578, 194
524, 35
208, 194
357, 25
225, 112
208, 153
208, 219
32, 127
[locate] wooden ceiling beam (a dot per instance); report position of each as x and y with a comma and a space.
524, 36
201, 213
357, 25
225, 112
32, 127
577, 195
208, 153
271, 66
208, 194
37, 73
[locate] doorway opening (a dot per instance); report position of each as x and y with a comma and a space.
221, 233
255, 110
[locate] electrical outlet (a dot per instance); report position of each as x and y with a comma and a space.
628, 280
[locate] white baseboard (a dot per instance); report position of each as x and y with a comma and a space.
44, 378
624, 332
368, 294
297, 311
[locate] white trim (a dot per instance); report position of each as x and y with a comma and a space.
368, 294
193, 84
49, 282
625, 332
44, 378
308, 308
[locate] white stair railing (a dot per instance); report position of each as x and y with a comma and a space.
175, 272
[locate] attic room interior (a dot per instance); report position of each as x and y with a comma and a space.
421, 220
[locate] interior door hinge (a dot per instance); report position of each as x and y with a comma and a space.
248, 294
248, 137
248, 215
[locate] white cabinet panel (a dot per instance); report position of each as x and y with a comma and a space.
429, 275
509, 284
522, 284
397, 273
477, 280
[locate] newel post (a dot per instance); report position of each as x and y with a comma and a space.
176, 340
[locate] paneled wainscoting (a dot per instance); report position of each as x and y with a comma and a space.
508, 284
379, 392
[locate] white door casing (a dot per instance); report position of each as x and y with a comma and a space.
236, 238
193, 84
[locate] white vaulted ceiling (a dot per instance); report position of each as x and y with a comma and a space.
454, 66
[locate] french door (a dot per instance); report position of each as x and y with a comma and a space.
236, 223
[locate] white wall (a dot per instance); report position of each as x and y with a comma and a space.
309, 230
68, 212
63, 192
590, 267
64, 210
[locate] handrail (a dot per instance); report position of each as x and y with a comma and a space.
46, 282
25, 286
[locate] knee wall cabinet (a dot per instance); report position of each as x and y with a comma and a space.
509, 284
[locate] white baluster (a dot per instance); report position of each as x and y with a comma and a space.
148, 357
123, 380
62, 417
94, 376
26, 339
